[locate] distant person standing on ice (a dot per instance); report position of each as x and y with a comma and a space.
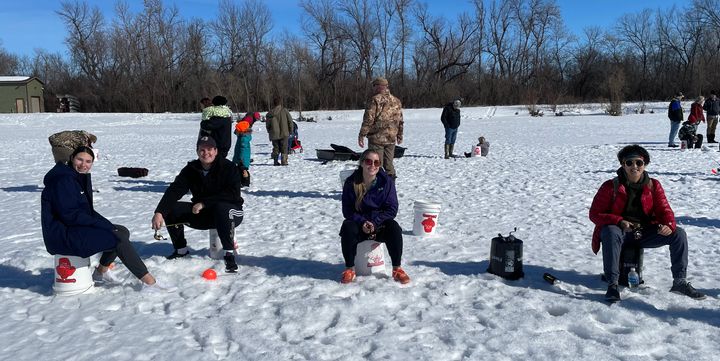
450, 119
241, 156
632, 209
712, 107
216, 202
382, 125
217, 124
675, 114
370, 205
72, 227
279, 124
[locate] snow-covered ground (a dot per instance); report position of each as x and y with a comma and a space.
286, 302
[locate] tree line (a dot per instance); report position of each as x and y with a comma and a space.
501, 52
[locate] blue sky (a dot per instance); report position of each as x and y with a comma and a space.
42, 28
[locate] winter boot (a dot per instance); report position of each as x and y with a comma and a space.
711, 138
450, 150
275, 158
284, 159
447, 151
230, 264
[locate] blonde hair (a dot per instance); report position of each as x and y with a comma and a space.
358, 182
700, 99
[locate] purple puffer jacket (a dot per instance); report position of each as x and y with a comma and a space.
379, 204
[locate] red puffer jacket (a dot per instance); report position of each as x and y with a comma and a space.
603, 213
696, 113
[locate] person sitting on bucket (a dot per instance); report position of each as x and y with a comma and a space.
71, 226
632, 209
216, 202
369, 205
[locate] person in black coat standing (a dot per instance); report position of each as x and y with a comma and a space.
216, 202
450, 119
72, 227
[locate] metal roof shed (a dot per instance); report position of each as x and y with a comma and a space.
21, 94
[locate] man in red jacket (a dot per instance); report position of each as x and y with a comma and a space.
632, 208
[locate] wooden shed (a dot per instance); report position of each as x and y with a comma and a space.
21, 94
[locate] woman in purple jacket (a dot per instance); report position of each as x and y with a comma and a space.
369, 205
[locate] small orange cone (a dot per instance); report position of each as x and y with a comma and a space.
209, 274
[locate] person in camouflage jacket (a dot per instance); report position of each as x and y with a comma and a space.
382, 124
279, 125
65, 142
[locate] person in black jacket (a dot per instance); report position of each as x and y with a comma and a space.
217, 124
675, 114
712, 107
216, 202
450, 119
72, 227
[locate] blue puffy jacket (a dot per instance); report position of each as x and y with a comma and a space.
379, 204
70, 225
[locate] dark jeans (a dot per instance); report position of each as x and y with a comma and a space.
222, 216
387, 155
613, 238
450, 135
389, 232
125, 251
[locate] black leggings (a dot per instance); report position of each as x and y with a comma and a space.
125, 251
389, 232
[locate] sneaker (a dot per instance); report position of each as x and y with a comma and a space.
109, 277
399, 275
348, 276
157, 287
612, 294
685, 288
230, 264
177, 254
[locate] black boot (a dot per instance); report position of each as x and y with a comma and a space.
711, 138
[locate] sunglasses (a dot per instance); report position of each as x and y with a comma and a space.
375, 162
638, 162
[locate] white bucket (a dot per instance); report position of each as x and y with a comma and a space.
476, 151
426, 218
216, 251
370, 258
344, 174
73, 275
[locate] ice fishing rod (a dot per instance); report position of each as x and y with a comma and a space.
159, 237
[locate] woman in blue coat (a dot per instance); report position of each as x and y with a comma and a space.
72, 227
369, 205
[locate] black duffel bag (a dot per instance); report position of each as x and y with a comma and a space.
132, 172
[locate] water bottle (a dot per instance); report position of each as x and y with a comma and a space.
633, 278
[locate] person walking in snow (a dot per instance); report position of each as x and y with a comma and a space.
631, 209
382, 125
450, 119
712, 107
369, 206
72, 227
675, 114
279, 124
217, 124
